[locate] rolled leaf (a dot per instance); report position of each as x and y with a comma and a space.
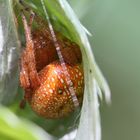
9, 52
63, 18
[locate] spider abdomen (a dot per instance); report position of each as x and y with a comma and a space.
53, 99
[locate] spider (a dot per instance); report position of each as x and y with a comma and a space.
42, 75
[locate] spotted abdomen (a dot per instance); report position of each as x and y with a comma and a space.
52, 99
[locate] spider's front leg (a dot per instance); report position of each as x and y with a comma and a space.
29, 78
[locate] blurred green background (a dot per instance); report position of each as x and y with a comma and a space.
115, 26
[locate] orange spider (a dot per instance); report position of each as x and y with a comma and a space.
42, 75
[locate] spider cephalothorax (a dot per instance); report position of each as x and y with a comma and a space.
43, 76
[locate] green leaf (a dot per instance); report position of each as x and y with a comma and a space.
13, 128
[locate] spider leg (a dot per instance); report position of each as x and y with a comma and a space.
30, 56
24, 76
32, 15
22, 104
